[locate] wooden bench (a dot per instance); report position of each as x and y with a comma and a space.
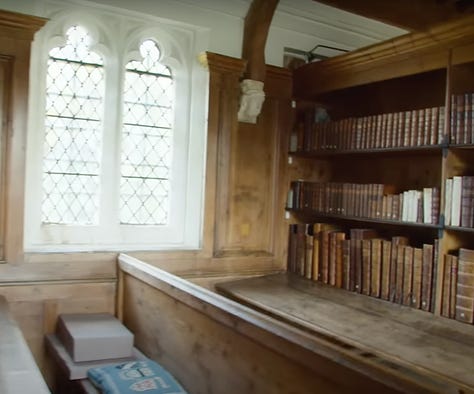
18, 370
213, 344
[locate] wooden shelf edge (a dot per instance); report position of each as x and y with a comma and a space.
461, 229
359, 152
312, 213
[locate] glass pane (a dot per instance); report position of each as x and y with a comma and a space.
72, 145
147, 140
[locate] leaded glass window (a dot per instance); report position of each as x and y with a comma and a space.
73, 132
148, 113
116, 144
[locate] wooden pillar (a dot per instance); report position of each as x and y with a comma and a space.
243, 199
16, 34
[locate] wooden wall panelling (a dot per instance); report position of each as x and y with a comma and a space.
248, 174
392, 170
16, 35
228, 93
462, 77
35, 307
400, 56
463, 54
19, 372
61, 266
392, 95
250, 202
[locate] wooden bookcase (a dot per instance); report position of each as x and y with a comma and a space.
368, 94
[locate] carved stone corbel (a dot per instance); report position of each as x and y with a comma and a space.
251, 100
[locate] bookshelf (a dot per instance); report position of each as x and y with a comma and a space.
383, 139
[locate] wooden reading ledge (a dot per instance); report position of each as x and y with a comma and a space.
407, 341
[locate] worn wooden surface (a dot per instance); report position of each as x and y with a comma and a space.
412, 342
214, 345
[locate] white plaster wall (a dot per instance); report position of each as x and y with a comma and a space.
299, 24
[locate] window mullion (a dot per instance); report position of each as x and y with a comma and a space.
110, 180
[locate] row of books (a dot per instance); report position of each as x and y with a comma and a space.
459, 201
371, 200
462, 118
458, 286
419, 127
362, 262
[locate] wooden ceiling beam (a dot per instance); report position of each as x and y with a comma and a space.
257, 24
412, 15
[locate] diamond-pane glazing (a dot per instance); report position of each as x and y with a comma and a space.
147, 140
71, 160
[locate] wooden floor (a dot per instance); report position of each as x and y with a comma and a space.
398, 335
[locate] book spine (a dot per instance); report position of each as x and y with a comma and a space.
471, 117
407, 276
324, 261
415, 129
291, 261
442, 133
394, 130
435, 204
396, 241
434, 125
446, 288
308, 263
427, 127
366, 266
385, 274
300, 249
332, 258
316, 250
467, 196
417, 277
346, 264
465, 287
407, 129
340, 238
454, 283
434, 277
467, 118
448, 195
456, 201
453, 121
427, 277
460, 119
375, 277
